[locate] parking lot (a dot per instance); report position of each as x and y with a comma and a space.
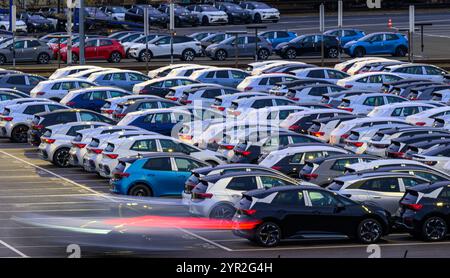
34, 193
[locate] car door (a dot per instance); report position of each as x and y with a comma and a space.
133, 79
104, 49
384, 192
223, 78
375, 44
307, 45
90, 49
236, 77
19, 48
30, 50
238, 185
160, 173
97, 100
182, 171
119, 79
17, 82
161, 47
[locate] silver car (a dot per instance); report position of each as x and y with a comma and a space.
244, 46
26, 50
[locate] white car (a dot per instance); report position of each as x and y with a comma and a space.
16, 119
240, 108
66, 71
312, 93
322, 128
264, 82
426, 118
83, 138
175, 93
380, 163
253, 68
275, 114
261, 11
21, 26
342, 131
346, 65
111, 104
437, 157
365, 103
205, 96
329, 74
187, 70
400, 110
117, 13
357, 66
261, 69
223, 102
186, 48
208, 14
418, 71
58, 88
441, 96
86, 73
190, 131
5, 103
371, 81
301, 121
93, 156
160, 86
164, 71
57, 141
124, 147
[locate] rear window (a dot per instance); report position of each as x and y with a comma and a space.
410, 197
109, 147
336, 185
158, 164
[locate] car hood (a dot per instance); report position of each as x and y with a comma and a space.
281, 45
218, 13
350, 43
270, 10
211, 46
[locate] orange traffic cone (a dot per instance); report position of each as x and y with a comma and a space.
390, 23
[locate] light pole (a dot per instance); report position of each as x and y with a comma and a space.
81, 31
256, 28
322, 29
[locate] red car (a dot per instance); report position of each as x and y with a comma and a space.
97, 49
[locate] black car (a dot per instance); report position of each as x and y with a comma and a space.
43, 120
281, 88
437, 147
287, 68
247, 152
403, 90
399, 146
309, 45
156, 17
23, 82
426, 92
292, 212
236, 14
37, 23
182, 16
333, 100
421, 171
388, 86
425, 211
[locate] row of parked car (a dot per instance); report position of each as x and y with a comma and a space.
315, 143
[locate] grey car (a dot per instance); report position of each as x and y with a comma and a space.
383, 189
323, 170
244, 46
20, 81
134, 105
26, 50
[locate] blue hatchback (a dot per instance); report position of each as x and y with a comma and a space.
378, 43
346, 35
92, 98
153, 174
277, 37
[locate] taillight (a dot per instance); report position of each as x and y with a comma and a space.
120, 115
248, 88
317, 133
244, 153
220, 108
7, 119
144, 91
420, 123
413, 98
357, 144
348, 86
294, 98
294, 127
185, 101
278, 168
415, 207
397, 154
227, 147
345, 136
346, 108
37, 126
248, 211
172, 98
112, 155
202, 195
121, 175
109, 111
310, 176
40, 93
97, 151
70, 103
78, 145
48, 140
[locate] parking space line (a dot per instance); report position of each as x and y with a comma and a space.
206, 240
51, 210
13, 249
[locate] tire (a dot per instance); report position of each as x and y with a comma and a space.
222, 211
400, 51
268, 234
434, 228
141, 190
19, 134
115, 57
2, 59
332, 52
143, 56
75, 58
263, 54
188, 55
2, 28
43, 58
291, 53
369, 231
61, 157
359, 52
205, 20
257, 18
221, 55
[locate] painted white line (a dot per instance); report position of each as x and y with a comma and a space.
51, 203
48, 196
52, 210
13, 249
56, 175
206, 240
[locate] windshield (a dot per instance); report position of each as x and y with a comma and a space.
209, 8
297, 39
232, 7
261, 6
36, 16
118, 9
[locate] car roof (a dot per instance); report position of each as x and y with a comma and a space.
363, 175
320, 160
215, 178
427, 188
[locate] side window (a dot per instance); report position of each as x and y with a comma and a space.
321, 198
105, 42
382, 185
116, 94
210, 74
136, 77
99, 95
340, 164
17, 80
376, 78
445, 194
158, 164
433, 70
148, 105
56, 86
318, 91
73, 130
261, 103
34, 109
391, 99
161, 118
222, 74
119, 76
374, 101
68, 86
289, 198
397, 112
52, 107
316, 74
169, 145
86, 116
269, 182
407, 111
33, 80
283, 102
391, 37
145, 145
237, 74
211, 93
186, 165
242, 183
409, 182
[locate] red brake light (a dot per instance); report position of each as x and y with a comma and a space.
345, 136
294, 98
248, 211
48, 140
420, 123
143, 92
202, 195
248, 88
294, 127
357, 144
79, 145
172, 98
109, 111
112, 155
310, 176
7, 119
348, 86
37, 126
415, 207
40, 93
278, 168
346, 108
244, 153
318, 133
97, 151
397, 154
120, 175
70, 103
228, 147
120, 115
220, 108
185, 101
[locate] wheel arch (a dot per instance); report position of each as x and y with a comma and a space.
144, 182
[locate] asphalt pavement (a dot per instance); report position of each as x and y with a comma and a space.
47, 211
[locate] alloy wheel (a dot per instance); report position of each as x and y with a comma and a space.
62, 158
115, 57
291, 54
188, 55
435, 228
269, 234
222, 212
19, 134
370, 231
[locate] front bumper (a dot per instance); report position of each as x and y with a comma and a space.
5, 129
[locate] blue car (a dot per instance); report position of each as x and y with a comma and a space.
346, 35
161, 121
378, 43
277, 37
153, 174
124, 79
92, 98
